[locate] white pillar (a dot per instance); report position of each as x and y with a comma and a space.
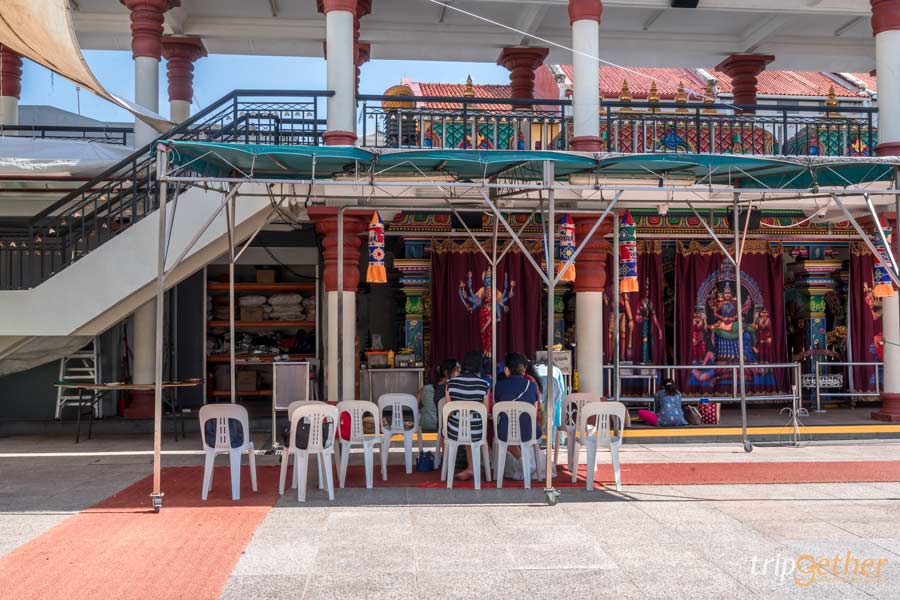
143, 341
348, 329
341, 78
585, 18
179, 110
890, 322
9, 110
887, 64
590, 331
146, 94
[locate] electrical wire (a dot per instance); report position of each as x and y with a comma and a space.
448, 6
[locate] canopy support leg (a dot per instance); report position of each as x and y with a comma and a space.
157, 495
552, 494
738, 253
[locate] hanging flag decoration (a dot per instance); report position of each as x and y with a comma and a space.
883, 285
376, 272
628, 259
567, 247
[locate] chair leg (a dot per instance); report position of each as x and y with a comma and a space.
572, 451
591, 464
556, 447
234, 457
319, 462
501, 463
476, 464
486, 458
369, 458
329, 477
526, 466
385, 449
450, 459
251, 458
439, 456
295, 479
614, 452
208, 466
301, 466
285, 458
421, 441
407, 450
538, 463
345, 460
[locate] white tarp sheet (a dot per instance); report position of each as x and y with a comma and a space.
22, 156
41, 30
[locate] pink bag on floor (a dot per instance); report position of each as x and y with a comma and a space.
648, 416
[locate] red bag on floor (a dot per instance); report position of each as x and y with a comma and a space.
710, 412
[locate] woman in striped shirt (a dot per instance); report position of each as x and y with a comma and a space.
468, 386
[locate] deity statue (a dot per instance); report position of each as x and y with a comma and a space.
480, 300
762, 326
647, 319
626, 328
698, 336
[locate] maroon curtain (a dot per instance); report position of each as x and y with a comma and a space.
865, 317
707, 317
460, 307
643, 315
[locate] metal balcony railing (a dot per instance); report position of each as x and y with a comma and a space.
628, 127
107, 135
34, 249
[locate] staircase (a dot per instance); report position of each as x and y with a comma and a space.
89, 260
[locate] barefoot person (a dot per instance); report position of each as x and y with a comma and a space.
468, 386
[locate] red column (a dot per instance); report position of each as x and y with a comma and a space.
180, 53
10, 73
147, 26
363, 54
591, 262
579, 10
326, 220
522, 63
743, 70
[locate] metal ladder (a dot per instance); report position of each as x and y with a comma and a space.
82, 366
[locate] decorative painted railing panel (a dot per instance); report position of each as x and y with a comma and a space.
107, 135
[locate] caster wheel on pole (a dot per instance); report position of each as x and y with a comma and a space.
748, 447
157, 502
552, 497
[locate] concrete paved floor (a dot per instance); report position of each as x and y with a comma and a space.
647, 542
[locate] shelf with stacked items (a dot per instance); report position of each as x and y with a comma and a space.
275, 321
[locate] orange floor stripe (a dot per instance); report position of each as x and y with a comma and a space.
120, 549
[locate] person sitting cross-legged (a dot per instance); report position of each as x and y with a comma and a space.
517, 387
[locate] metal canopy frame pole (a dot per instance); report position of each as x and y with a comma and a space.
887, 264
552, 494
615, 307
738, 254
494, 262
230, 215
157, 494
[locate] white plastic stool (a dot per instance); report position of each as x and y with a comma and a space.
357, 410
464, 411
513, 410
316, 415
598, 434
397, 402
222, 414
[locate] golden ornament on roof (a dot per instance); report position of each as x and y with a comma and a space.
470, 89
625, 96
681, 98
400, 91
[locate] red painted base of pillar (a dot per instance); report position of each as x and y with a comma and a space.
587, 143
339, 138
888, 149
140, 404
890, 409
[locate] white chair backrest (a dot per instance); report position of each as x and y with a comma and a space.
572, 404
600, 413
316, 414
297, 404
222, 413
357, 409
440, 415
397, 402
464, 412
513, 410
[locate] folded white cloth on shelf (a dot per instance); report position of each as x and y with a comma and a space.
252, 300
285, 299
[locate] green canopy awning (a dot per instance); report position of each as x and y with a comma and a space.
468, 165
749, 172
212, 159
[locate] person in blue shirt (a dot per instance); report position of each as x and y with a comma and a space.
517, 387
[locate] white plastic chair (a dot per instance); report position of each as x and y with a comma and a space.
464, 412
290, 412
594, 430
397, 402
221, 414
530, 448
571, 413
439, 449
316, 414
358, 409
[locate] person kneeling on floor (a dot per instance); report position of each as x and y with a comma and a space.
667, 410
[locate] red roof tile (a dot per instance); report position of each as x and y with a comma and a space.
640, 79
457, 90
790, 83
